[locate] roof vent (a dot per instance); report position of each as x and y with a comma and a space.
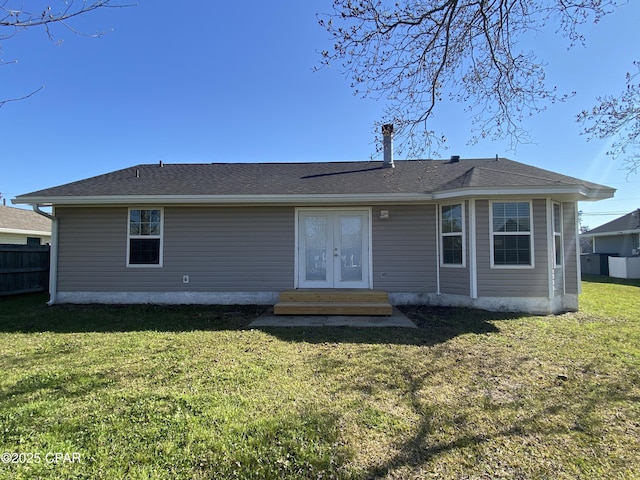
455, 158
387, 145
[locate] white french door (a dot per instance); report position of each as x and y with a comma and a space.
333, 249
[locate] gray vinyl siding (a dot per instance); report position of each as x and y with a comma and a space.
90, 247
455, 280
231, 249
621, 245
569, 240
220, 248
404, 249
246, 249
512, 282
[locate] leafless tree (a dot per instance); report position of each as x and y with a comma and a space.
618, 118
412, 54
15, 16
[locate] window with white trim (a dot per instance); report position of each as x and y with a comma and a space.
511, 234
557, 234
452, 234
145, 237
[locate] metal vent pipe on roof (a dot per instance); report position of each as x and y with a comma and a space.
387, 145
455, 158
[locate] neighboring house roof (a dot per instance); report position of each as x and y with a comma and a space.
25, 222
629, 223
410, 180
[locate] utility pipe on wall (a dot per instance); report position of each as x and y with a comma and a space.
53, 261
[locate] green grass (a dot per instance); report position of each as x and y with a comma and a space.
193, 393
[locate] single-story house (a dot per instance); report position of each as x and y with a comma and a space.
23, 227
487, 233
620, 237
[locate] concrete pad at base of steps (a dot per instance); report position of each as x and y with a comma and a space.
396, 320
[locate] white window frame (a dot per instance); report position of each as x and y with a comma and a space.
461, 234
530, 233
146, 237
557, 234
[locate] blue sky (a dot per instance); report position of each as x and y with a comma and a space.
234, 82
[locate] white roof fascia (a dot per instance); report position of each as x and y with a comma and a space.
228, 199
577, 193
25, 232
610, 234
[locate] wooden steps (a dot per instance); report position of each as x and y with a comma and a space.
333, 302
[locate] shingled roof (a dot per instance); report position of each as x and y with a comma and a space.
629, 223
17, 220
216, 181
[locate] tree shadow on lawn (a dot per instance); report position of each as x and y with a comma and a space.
29, 313
435, 325
581, 421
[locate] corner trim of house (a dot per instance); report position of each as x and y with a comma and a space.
531, 305
473, 261
170, 298
578, 252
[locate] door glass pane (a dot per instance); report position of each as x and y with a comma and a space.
315, 248
351, 248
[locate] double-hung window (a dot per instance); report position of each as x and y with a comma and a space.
511, 234
145, 237
557, 234
452, 234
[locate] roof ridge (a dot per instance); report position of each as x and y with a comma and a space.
406, 160
471, 175
527, 175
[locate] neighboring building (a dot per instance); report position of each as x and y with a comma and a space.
19, 226
491, 233
616, 248
619, 237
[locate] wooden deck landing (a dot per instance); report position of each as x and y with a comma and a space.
333, 302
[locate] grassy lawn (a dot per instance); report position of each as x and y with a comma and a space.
192, 393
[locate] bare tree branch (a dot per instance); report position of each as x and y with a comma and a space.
14, 17
3, 102
618, 118
413, 53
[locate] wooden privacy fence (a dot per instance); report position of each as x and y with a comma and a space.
24, 268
